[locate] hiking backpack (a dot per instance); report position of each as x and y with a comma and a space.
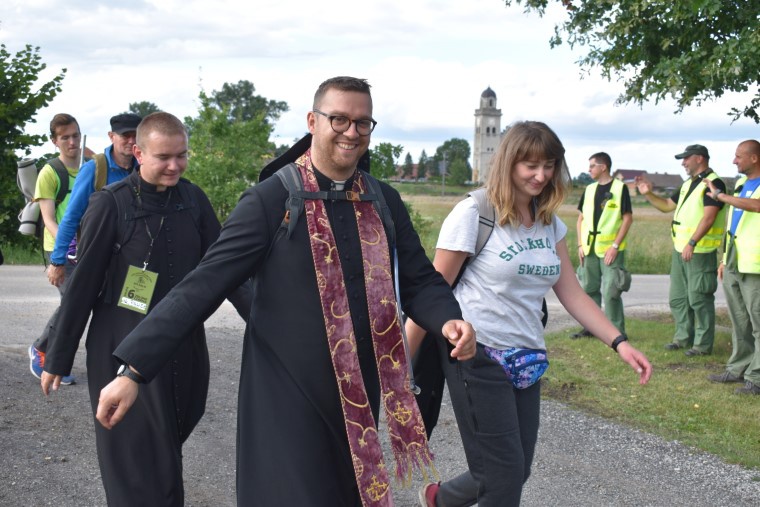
26, 180
30, 218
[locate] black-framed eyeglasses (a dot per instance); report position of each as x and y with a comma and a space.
341, 124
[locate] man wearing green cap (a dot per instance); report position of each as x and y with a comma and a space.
697, 230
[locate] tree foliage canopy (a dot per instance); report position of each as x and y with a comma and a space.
688, 50
241, 103
408, 167
19, 103
423, 165
226, 153
383, 159
142, 108
453, 149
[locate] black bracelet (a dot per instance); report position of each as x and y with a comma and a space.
617, 341
56, 264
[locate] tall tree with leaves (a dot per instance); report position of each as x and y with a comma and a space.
688, 50
226, 155
241, 103
408, 167
19, 103
459, 172
453, 149
383, 160
423, 165
142, 108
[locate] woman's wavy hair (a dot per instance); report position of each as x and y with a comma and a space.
527, 141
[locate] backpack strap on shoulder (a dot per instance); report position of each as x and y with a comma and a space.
63, 179
291, 180
486, 218
375, 194
189, 203
101, 171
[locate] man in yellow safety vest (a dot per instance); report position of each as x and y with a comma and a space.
697, 230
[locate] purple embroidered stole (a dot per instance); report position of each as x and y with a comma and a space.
406, 429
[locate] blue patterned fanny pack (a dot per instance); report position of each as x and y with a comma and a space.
524, 367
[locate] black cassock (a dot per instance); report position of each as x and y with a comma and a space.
141, 458
292, 446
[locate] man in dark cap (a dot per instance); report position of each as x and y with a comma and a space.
113, 165
697, 230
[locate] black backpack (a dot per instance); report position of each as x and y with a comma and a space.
124, 196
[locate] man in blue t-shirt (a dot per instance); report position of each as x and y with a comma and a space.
740, 270
120, 162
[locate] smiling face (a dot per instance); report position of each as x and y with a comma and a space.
530, 177
162, 158
747, 162
336, 155
694, 164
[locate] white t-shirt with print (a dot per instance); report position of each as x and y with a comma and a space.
502, 289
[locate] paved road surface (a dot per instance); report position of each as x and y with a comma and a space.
48, 454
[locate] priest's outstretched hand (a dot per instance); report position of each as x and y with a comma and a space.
461, 335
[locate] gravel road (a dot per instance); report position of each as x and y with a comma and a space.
48, 452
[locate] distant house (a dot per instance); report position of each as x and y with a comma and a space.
400, 173
660, 182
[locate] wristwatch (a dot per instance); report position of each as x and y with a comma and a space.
615, 246
56, 264
617, 341
692, 242
125, 371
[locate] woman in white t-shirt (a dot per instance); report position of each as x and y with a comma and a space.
496, 395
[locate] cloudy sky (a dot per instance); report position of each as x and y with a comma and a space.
428, 62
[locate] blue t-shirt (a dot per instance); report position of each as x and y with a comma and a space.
748, 189
84, 186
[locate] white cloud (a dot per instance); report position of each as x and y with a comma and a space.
428, 62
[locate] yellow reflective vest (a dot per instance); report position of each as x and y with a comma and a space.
746, 236
609, 222
689, 213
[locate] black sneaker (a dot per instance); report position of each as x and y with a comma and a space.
695, 352
724, 378
749, 388
583, 333
673, 346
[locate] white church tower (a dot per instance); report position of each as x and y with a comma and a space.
487, 134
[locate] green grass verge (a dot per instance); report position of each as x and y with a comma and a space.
22, 254
679, 403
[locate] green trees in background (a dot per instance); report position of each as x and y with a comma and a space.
456, 154
229, 143
142, 108
423, 165
383, 159
241, 103
408, 168
689, 50
19, 103
459, 172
